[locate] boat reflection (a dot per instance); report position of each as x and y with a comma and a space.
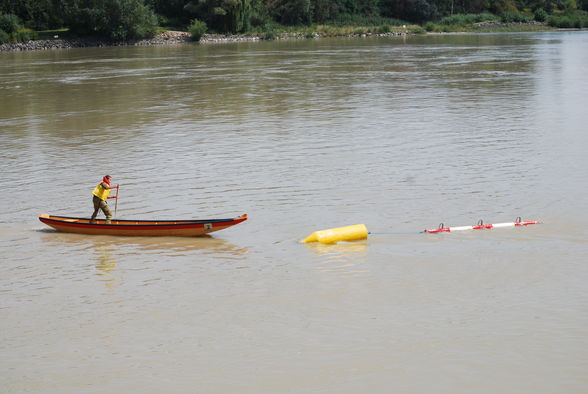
108, 250
105, 263
165, 245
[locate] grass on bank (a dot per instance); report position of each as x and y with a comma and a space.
58, 34
275, 31
509, 22
570, 20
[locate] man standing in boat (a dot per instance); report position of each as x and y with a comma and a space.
100, 195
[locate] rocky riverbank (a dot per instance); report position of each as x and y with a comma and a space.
167, 38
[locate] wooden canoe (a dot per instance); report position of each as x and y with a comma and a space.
147, 228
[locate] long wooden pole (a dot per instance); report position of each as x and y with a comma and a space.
116, 198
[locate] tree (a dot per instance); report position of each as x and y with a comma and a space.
172, 9
37, 14
9, 23
421, 11
111, 19
225, 16
323, 10
290, 12
500, 7
410, 10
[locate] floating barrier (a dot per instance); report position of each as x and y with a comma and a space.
480, 226
333, 235
359, 231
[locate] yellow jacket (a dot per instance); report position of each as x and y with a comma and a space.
101, 192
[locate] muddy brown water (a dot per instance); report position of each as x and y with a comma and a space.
397, 133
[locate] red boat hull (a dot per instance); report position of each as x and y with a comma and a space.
145, 228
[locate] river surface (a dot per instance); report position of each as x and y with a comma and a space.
397, 133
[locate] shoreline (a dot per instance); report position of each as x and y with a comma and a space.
179, 37
167, 38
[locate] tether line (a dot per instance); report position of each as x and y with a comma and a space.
393, 233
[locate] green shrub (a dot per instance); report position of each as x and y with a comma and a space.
467, 19
9, 23
514, 17
4, 37
135, 21
197, 29
570, 5
566, 22
345, 20
269, 32
577, 20
540, 15
290, 12
457, 19
429, 26
113, 19
270, 35
384, 29
417, 30
26, 35
558, 21
22, 35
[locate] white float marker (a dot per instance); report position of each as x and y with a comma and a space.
481, 226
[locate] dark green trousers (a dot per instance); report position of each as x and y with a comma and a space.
101, 205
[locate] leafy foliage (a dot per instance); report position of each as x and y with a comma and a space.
515, 17
467, 19
231, 16
37, 14
9, 23
197, 29
131, 19
12, 31
290, 12
4, 37
500, 7
540, 15
361, 20
410, 10
570, 20
112, 19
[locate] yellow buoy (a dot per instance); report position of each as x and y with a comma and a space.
332, 235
